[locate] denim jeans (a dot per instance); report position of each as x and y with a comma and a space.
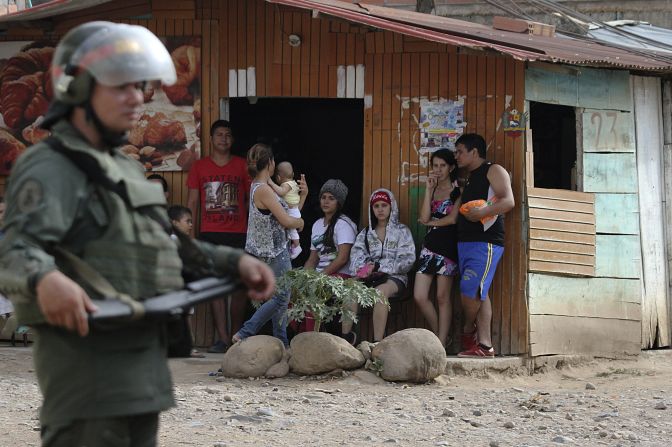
275, 308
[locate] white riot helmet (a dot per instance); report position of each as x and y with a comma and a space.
111, 54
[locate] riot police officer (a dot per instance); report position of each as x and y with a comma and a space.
100, 386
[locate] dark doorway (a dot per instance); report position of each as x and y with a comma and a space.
554, 141
322, 138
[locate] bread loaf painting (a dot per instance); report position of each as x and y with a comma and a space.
169, 125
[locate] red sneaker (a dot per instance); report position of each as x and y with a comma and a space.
478, 352
469, 340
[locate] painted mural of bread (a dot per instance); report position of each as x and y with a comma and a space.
158, 131
187, 60
165, 132
10, 149
25, 86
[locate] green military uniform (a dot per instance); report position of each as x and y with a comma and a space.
109, 373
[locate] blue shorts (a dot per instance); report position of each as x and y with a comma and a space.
478, 262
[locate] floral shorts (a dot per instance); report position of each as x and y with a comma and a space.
431, 263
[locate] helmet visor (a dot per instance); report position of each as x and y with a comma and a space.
125, 54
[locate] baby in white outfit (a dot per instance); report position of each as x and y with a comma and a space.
289, 190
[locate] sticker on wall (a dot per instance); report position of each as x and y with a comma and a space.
441, 124
514, 122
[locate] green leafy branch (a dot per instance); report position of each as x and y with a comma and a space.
326, 297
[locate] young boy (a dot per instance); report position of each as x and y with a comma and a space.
289, 190
180, 217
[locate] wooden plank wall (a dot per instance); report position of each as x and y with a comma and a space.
562, 231
667, 182
655, 296
566, 311
334, 57
255, 59
398, 73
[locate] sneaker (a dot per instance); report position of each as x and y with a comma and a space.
218, 348
294, 252
469, 340
350, 337
478, 352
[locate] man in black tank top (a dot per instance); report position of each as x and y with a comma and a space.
487, 196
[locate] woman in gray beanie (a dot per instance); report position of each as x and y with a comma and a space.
332, 236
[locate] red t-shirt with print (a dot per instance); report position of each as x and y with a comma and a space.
223, 192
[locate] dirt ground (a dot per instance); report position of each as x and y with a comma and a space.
601, 402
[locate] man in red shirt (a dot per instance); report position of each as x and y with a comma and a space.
219, 184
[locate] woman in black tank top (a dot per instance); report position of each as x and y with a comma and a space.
438, 257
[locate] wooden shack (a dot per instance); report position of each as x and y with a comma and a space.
355, 79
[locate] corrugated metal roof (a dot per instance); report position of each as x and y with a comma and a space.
461, 33
48, 9
643, 35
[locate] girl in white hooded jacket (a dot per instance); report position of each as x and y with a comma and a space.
382, 256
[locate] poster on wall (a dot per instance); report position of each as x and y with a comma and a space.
441, 124
167, 137
25, 93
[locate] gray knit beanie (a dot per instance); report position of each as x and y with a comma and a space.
337, 188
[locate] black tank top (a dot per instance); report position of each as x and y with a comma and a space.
478, 187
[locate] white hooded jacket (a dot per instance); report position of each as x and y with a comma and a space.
395, 255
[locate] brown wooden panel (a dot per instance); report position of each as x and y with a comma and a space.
398, 43
562, 247
561, 257
563, 216
481, 88
232, 34
565, 269
389, 42
379, 42
420, 46
370, 40
173, 5
359, 49
560, 236
305, 55
561, 194
241, 42
325, 45
170, 26
386, 111
564, 205
315, 39
295, 53
503, 291
519, 335
555, 225
264, 46
286, 87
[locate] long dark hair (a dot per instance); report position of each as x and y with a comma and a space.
328, 240
448, 156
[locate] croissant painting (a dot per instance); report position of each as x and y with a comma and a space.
170, 122
25, 86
